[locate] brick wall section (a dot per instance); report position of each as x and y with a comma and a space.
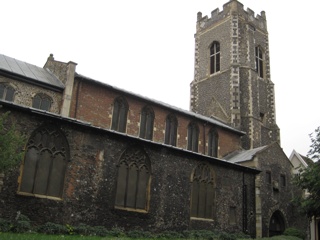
90, 185
93, 102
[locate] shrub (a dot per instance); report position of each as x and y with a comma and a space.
99, 231
84, 229
117, 232
170, 235
52, 228
294, 232
21, 224
5, 225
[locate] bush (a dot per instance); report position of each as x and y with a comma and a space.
227, 236
294, 232
139, 234
99, 231
84, 229
21, 224
170, 235
5, 225
53, 228
117, 232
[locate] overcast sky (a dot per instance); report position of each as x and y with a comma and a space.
147, 47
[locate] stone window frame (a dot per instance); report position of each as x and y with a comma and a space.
146, 123
42, 101
215, 57
120, 114
4, 89
193, 137
43, 170
203, 184
268, 177
213, 142
260, 61
283, 181
171, 130
133, 181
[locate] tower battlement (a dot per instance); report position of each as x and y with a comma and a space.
231, 8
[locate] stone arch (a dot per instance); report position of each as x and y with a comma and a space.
277, 223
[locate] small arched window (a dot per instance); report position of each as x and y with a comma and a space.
215, 57
134, 177
213, 143
259, 62
119, 116
41, 101
202, 195
45, 163
193, 137
6, 92
171, 130
146, 123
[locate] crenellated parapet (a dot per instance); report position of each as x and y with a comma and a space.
231, 8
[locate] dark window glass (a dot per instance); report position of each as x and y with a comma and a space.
133, 180
202, 195
213, 143
171, 130
41, 101
193, 137
45, 163
146, 123
259, 62
215, 58
268, 176
119, 116
6, 92
283, 180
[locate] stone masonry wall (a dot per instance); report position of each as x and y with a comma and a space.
90, 185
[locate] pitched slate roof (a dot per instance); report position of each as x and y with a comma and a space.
29, 71
243, 156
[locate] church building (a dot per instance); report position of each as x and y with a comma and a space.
105, 156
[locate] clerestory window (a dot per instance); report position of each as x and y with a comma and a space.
133, 182
193, 137
119, 116
45, 163
171, 130
146, 123
213, 143
6, 92
42, 101
215, 57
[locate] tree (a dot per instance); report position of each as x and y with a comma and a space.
11, 143
309, 179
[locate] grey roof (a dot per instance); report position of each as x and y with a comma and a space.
243, 156
166, 105
29, 71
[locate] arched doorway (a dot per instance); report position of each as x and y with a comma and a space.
277, 224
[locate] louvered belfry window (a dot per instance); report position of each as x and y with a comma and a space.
45, 162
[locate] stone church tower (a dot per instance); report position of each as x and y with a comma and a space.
232, 73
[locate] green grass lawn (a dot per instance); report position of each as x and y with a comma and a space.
37, 236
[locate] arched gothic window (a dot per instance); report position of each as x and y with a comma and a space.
259, 61
215, 57
119, 116
45, 163
42, 101
133, 183
171, 130
193, 137
6, 92
146, 123
213, 143
202, 195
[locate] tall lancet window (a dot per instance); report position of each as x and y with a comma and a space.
215, 57
259, 62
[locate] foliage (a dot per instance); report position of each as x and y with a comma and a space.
294, 232
52, 228
309, 180
11, 143
314, 152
